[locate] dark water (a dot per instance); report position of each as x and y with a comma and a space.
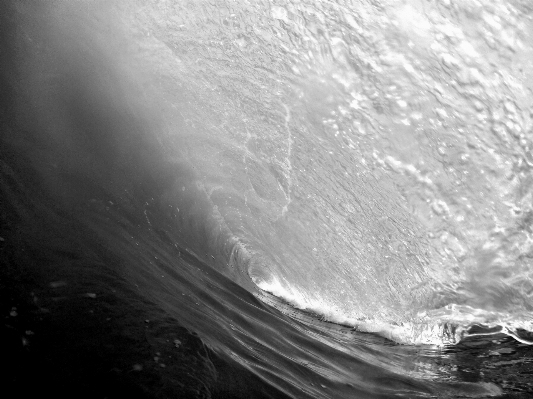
141, 216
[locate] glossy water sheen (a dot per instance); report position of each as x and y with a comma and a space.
281, 179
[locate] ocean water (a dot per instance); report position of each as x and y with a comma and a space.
241, 199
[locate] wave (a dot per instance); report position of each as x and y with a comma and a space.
298, 194
199, 186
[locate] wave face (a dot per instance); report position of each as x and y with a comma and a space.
368, 163
371, 161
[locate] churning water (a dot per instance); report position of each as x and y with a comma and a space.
281, 178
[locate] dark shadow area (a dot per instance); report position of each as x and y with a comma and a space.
73, 325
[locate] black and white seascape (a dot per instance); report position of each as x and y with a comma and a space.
266, 199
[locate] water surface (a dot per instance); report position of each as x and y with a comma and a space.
267, 199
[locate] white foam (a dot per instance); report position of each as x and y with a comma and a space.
445, 326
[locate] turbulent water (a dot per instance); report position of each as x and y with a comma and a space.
272, 181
